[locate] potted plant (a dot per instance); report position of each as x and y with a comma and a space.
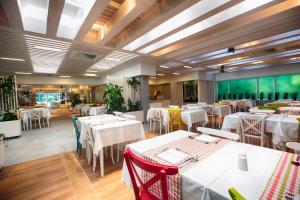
10, 125
229, 96
270, 95
247, 95
234, 96
276, 95
74, 98
294, 95
285, 95
241, 96
113, 98
219, 97
261, 96
2, 145
224, 96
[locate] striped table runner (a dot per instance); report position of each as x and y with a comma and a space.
285, 177
191, 146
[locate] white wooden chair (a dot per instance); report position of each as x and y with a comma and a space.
294, 145
36, 116
210, 112
156, 117
253, 126
90, 142
219, 133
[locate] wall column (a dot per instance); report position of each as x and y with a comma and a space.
144, 94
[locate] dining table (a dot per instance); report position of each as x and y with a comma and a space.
98, 110
189, 116
215, 169
283, 128
290, 110
108, 130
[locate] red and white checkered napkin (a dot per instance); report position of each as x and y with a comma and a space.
286, 177
193, 148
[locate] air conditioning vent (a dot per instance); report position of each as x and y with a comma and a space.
82, 56
271, 50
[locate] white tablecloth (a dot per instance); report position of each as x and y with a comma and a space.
97, 110
257, 110
211, 177
290, 110
108, 130
282, 129
188, 116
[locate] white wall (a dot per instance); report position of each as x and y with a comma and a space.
41, 80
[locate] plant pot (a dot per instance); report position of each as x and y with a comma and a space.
139, 115
11, 128
2, 156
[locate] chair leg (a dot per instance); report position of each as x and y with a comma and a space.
112, 154
40, 123
118, 152
160, 127
94, 162
150, 124
154, 126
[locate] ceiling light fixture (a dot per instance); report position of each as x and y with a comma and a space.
152, 77
47, 48
175, 73
160, 74
294, 58
23, 73
232, 68
188, 67
13, 59
112, 59
92, 71
96, 27
258, 62
65, 76
88, 74
163, 66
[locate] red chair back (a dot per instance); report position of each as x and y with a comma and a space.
160, 172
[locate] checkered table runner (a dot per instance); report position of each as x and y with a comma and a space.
191, 146
285, 177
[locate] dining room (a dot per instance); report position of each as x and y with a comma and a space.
150, 100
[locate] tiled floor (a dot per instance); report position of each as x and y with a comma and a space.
44, 142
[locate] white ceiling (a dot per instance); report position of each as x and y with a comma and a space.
56, 37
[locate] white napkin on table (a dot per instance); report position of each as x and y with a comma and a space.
172, 156
206, 138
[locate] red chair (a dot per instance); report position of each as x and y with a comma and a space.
161, 171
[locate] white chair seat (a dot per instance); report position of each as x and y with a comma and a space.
293, 145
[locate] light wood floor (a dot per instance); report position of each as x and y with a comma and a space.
63, 176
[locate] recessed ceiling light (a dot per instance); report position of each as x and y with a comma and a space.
47, 48
14, 59
220, 64
175, 73
235, 59
232, 68
294, 58
88, 74
152, 77
96, 26
92, 71
189, 67
160, 74
65, 76
112, 59
258, 62
163, 66
23, 73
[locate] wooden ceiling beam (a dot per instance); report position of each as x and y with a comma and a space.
54, 13
97, 9
126, 13
13, 14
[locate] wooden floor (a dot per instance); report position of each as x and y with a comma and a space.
63, 176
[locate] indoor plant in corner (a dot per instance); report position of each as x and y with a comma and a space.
113, 98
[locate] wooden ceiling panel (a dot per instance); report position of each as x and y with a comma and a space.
3, 18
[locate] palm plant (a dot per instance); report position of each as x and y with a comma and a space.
113, 98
